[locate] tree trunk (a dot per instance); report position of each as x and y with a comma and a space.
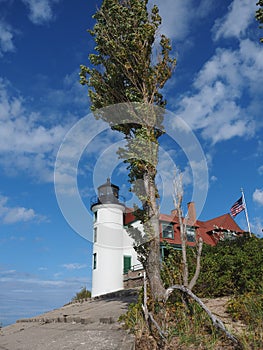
153, 269
151, 227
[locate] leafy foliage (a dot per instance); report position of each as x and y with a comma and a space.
259, 15
82, 295
231, 267
248, 308
172, 266
125, 34
133, 319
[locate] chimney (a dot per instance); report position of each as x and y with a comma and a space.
174, 213
191, 215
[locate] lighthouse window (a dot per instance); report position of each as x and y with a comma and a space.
94, 261
95, 216
95, 235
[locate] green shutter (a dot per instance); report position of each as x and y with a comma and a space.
94, 261
126, 263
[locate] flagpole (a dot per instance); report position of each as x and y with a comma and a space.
244, 202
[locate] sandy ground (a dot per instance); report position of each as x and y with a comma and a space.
92, 325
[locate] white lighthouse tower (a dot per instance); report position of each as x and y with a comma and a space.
108, 235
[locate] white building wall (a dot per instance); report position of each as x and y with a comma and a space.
128, 249
108, 274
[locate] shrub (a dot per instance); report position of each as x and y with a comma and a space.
82, 295
247, 308
231, 267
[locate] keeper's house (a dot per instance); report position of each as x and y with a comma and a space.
115, 263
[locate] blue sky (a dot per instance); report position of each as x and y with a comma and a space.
216, 89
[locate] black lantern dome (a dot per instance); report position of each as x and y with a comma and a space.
108, 193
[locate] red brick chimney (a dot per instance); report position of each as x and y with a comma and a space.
174, 213
191, 215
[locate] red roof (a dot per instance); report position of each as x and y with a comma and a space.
223, 222
207, 230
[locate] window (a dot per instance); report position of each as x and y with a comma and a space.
167, 231
95, 216
95, 235
126, 263
190, 233
94, 261
164, 252
228, 235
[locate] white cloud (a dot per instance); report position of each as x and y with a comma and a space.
74, 266
167, 172
260, 170
91, 145
25, 143
11, 215
214, 178
216, 104
40, 11
179, 17
257, 226
6, 38
235, 23
258, 196
75, 93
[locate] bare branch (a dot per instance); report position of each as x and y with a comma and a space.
178, 199
161, 333
198, 264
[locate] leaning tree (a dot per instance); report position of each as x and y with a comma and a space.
131, 64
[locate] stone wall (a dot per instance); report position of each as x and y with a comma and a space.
133, 279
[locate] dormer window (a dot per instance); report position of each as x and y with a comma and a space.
190, 233
167, 231
229, 235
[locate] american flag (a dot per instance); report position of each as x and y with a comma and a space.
237, 207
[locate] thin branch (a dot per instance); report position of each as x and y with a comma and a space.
162, 335
198, 264
178, 198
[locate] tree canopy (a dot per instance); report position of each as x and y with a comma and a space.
125, 35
